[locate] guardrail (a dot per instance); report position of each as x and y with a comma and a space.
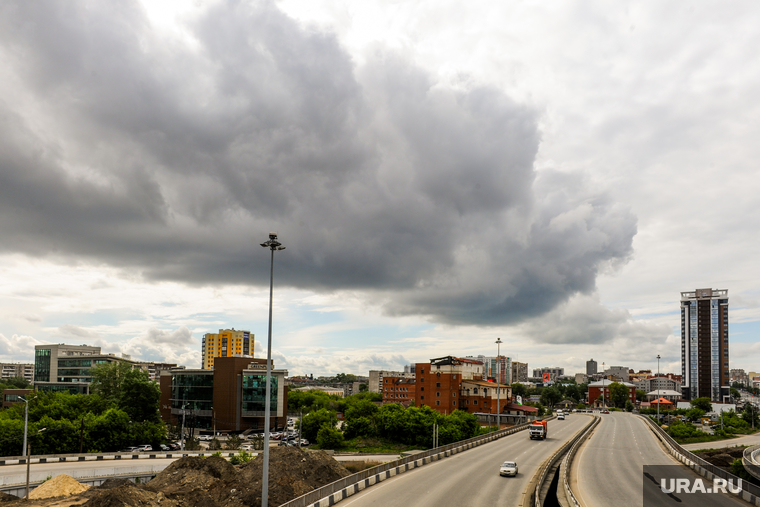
73, 458
333, 493
567, 461
749, 492
549, 463
749, 460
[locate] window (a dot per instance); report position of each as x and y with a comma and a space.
453, 394
437, 402
454, 403
438, 394
422, 380
422, 388
422, 397
422, 371
437, 384
475, 402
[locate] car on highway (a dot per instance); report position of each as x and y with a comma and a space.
560, 416
508, 468
605, 411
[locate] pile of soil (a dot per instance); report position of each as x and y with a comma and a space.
722, 457
60, 485
5, 497
212, 482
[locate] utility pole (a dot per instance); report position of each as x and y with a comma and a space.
81, 436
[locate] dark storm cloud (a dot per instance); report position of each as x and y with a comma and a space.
126, 148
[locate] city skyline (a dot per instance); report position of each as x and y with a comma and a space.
555, 179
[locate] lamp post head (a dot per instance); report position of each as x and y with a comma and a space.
498, 340
272, 243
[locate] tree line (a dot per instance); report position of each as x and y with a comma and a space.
121, 412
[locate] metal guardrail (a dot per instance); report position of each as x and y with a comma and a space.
693, 461
328, 490
75, 458
569, 459
749, 460
548, 464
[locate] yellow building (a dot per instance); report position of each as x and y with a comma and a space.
226, 343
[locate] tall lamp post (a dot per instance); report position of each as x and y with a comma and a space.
658, 389
26, 421
273, 245
498, 384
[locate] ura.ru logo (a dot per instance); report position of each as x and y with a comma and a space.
683, 485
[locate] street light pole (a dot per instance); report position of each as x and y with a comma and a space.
498, 384
273, 245
658, 389
26, 421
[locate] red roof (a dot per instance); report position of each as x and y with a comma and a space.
662, 401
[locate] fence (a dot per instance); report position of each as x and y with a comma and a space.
569, 458
549, 463
343, 488
749, 460
750, 493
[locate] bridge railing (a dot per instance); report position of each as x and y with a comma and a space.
315, 496
750, 492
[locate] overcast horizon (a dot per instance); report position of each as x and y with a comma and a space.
441, 174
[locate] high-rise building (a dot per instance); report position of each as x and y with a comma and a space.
555, 372
704, 343
519, 372
225, 343
497, 368
591, 367
66, 368
20, 370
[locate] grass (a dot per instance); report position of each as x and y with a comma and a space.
702, 438
373, 446
357, 466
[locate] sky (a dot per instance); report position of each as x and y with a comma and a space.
442, 174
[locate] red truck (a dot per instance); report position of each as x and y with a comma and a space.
538, 429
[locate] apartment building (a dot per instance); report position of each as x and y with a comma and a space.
225, 343
376, 377
13, 370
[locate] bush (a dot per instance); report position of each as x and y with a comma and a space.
233, 442
240, 458
329, 437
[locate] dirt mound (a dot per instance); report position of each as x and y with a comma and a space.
115, 483
5, 497
128, 494
190, 474
292, 473
722, 457
60, 485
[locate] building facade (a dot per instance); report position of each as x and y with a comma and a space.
66, 368
704, 343
621, 372
376, 377
20, 370
591, 367
519, 372
497, 368
225, 343
599, 392
452, 383
231, 397
554, 371
399, 390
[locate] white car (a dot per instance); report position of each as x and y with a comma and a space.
246, 447
508, 468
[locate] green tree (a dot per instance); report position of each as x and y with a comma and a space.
735, 394
702, 404
140, 397
233, 442
750, 414
694, 414
618, 394
313, 421
330, 437
519, 390
641, 395
345, 378
550, 396
628, 406
107, 379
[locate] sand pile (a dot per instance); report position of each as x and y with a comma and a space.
60, 485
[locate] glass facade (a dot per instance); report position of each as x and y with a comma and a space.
254, 394
195, 391
42, 365
693, 351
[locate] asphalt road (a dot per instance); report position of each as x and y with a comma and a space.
731, 442
471, 478
609, 468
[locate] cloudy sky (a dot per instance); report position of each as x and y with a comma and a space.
442, 174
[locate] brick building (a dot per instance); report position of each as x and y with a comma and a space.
399, 390
230, 397
451, 383
596, 389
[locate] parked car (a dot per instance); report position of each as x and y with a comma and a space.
508, 468
145, 447
174, 446
165, 447
129, 449
304, 442
246, 447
